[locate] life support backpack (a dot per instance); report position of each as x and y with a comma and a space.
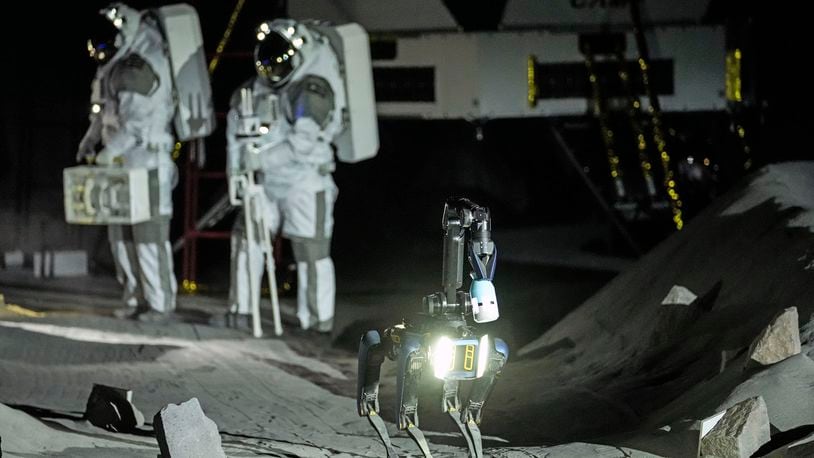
192, 92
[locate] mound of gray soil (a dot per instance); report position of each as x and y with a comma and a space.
625, 362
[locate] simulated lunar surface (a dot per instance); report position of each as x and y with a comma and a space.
702, 347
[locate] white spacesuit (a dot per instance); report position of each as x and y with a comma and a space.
131, 115
295, 159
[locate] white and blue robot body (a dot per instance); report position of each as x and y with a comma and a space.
443, 340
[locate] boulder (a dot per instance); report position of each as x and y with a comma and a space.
778, 341
679, 295
184, 431
112, 409
741, 431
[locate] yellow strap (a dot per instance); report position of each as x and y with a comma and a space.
16, 309
213, 64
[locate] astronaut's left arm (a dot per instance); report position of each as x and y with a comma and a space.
314, 111
132, 82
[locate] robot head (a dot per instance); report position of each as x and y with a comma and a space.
111, 30
280, 50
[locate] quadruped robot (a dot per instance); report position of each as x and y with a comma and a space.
443, 337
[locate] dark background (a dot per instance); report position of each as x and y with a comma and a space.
516, 168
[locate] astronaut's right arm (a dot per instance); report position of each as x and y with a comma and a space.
233, 145
87, 146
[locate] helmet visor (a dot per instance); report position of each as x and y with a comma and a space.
275, 58
101, 44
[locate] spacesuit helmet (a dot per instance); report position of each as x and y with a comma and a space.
278, 52
114, 28
102, 41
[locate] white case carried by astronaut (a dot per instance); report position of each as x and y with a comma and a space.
109, 195
360, 139
195, 114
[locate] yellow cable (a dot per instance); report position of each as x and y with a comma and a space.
213, 64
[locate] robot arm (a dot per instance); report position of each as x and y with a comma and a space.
466, 223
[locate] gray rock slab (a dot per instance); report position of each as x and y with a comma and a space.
740, 433
679, 295
184, 431
779, 340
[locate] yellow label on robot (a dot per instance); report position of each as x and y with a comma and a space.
469, 357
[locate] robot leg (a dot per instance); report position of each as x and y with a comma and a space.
411, 362
452, 406
371, 357
481, 389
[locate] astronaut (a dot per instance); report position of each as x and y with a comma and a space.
294, 158
131, 119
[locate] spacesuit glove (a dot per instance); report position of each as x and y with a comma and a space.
86, 151
106, 157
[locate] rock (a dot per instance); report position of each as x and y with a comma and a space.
112, 409
778, 341
679, 295
787, 389
740, 432
677, 313
807, 337
185, 431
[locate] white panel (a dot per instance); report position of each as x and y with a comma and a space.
504, 64
485, 75
454, 57
699, 58
324, 10
69, 263
592, 13
378, 15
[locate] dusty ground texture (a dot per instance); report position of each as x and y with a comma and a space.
291, 396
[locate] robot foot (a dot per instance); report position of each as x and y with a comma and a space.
473, 439
419, 439
473, 447
381, 429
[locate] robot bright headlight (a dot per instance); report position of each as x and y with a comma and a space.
461, 359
